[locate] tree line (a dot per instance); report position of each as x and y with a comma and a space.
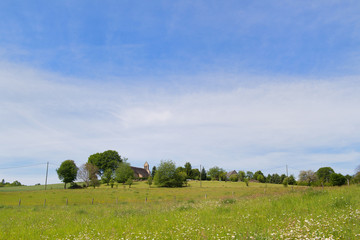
8, 184
110, 168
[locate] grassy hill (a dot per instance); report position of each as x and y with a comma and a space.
217, 210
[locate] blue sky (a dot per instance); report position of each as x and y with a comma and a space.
251, 85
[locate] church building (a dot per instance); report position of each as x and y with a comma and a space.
141, 172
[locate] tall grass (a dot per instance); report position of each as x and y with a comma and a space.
230, 211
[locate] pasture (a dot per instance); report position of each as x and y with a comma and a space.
217, 210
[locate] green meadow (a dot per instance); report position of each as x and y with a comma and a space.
216, 210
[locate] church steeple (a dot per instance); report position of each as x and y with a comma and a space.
146, 167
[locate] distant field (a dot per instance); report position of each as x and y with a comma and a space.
217, 210
31, 188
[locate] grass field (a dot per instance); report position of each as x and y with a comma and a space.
217, 210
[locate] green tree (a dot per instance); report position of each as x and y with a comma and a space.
249, 175
234, 178
149, 181
109, 159
195, 174
123, 172
324, 173
291, 180
337, 179
107, 176
153, 171
258, 175
241, 175
216, 173
167, 176
67, 172
188, 169
203, 174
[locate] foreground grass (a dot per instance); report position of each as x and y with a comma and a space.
230, 211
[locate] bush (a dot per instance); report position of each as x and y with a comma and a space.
74, 186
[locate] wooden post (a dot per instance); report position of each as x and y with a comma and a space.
92, 201
19, 201
145, 199
205, 196
233, 193
44, 202
175, 198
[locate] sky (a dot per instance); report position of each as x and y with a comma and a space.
243, 85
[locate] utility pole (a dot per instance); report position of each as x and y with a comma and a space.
200, 175
287, 174
47, 170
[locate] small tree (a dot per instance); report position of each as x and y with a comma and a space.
129, 181
234, 178
285, 182
107, 176
67, 172
167, 176
188, 169
88, 174
246, 180
203, 174
153, 171
308, 177
149, 181
241, 176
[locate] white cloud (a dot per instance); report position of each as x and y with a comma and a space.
45, 117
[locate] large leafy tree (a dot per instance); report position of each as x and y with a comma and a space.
109, 159
324, 174
123, 173
216, 173
67, 171
167, 176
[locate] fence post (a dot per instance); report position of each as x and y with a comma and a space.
67, 202
145, 199
205, 196
19, 201
44, 202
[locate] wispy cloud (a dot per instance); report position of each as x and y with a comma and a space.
265, 124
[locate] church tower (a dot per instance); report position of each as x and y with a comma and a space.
146, 167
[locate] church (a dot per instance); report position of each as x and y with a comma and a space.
141, 172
